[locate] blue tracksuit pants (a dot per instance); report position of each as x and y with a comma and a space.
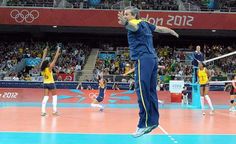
145, 85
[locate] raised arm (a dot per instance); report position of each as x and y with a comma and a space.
55, 58
162, 29
45, 51
123, 21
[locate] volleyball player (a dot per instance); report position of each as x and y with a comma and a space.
96, 100
233, 95
48, 81
203, 79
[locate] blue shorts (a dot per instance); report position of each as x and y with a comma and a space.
49, 86
204, 85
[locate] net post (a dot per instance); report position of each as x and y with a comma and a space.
196, 96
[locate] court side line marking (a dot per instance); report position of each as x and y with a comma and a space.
50, 132
57, 132
166, 133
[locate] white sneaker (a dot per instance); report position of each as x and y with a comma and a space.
203, 113
232, 109
150, 128
43, 114
139, 132
101, 109
161, 101
212, 112
55, 114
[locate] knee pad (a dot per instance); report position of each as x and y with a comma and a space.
231, 101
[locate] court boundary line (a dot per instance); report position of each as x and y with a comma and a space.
109, 133
166, 133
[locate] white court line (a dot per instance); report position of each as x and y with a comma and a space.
221, 81
165, 132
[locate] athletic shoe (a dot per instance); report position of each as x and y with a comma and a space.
101, 109
139, 132
43, 114
150, 128
232, 109
212, 112
55, 114
161, 102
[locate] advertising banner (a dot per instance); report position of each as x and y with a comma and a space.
108, 18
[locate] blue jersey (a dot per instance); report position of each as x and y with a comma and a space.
197, 57
141, 41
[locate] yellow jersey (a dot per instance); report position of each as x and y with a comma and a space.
47, 76
102, 84
202, 76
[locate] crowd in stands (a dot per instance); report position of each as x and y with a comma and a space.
206, 5
20, 60
30, 3
99, 4
117, 66
227, 64
176, 62
73, 57
200, 5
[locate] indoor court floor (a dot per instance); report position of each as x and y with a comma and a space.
78, 123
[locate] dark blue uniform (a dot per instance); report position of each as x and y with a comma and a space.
101, 88
196, 57
145, 57
100, 96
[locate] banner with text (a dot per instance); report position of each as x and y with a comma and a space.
176, 86
108, 18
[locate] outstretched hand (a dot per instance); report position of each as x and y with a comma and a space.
175, 34
121, 19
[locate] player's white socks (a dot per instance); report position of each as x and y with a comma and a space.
202, 102
54, 103
96, 105
209, 101
44, 103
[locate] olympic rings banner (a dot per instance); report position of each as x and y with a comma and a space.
108, 18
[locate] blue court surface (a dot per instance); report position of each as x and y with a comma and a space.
70, 138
